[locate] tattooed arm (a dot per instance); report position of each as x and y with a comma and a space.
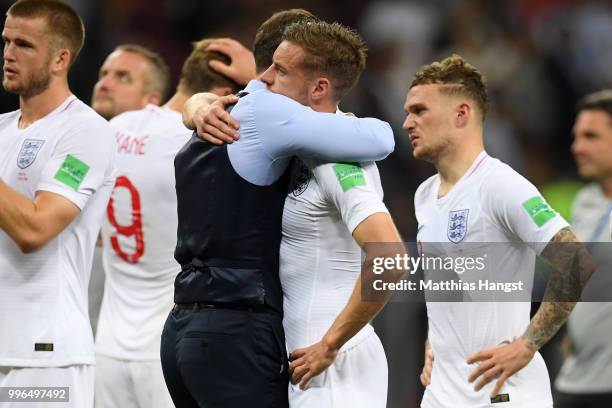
572, 266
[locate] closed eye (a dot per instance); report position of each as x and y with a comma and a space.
280, 69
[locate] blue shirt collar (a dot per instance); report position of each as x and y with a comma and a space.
254, 85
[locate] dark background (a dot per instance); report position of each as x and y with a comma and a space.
539, 57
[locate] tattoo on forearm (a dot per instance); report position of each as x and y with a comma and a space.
571, 268
547, 321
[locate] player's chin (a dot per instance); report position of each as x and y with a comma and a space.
587, 171
420, 153
11, 86
104, 108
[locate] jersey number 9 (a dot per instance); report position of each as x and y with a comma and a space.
133, 230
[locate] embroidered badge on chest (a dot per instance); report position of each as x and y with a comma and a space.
457, 225
29, 151
300, 178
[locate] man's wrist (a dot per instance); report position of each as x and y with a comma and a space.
528, 343
331, 343
197, 102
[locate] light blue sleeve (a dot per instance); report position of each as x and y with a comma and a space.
287, 128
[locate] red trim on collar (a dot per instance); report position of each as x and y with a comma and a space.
478, 165
69, 103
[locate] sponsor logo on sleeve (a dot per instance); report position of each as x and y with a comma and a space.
72, 172
349, 175
539, 210
29, 151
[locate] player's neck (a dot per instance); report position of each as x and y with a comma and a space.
38, 106
454, 163
326, 106
606, 186
177, 102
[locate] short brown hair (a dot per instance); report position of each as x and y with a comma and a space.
330, 49
601, 100
63, 23
160, 73
270, 34
463, 79
197, 76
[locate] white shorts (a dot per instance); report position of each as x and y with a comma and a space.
357, 379
130, 384
78, 378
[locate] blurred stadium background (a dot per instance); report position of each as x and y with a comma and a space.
539, 56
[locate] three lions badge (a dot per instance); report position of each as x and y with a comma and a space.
457, 225
29, 151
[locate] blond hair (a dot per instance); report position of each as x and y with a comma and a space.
461, 78
330, 49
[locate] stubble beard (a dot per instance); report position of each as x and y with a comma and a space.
432, 153
107, 110
35, 83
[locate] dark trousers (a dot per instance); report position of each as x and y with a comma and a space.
563, 400
225, 358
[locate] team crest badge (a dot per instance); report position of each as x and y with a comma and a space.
300, 178
457, 225
29, 151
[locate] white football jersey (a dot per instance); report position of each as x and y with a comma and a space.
319, 259
43, 294
139, 235
491, 203
588, 369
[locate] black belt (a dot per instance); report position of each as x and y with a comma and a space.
226, 306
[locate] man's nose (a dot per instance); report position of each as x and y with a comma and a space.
409, 123
9, 52
578, 146
105, 83
268, 76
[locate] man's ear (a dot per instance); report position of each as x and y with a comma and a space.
61, 60
153, 98
463, 113
222, 91
321, 88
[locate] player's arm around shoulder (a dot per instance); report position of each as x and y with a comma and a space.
289, 128
196, 107
83, 159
